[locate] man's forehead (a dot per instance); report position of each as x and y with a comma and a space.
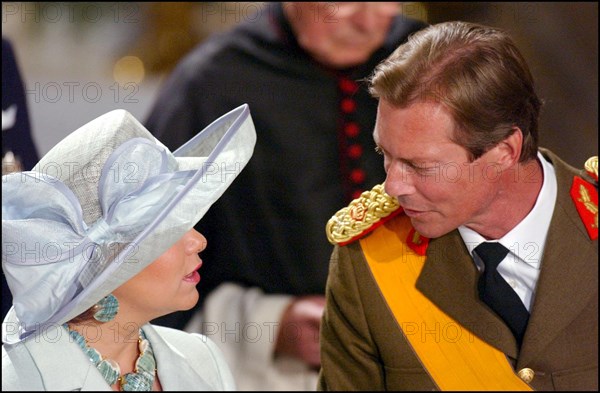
423, 118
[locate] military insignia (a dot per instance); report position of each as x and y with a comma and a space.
417, 242
585, 196
361, 216
591, 167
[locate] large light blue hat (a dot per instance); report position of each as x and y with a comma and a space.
102, 205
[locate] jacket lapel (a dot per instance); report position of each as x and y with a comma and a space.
449, 279
61, 363
563, 271
174, 369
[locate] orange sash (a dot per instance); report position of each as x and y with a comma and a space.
455, 358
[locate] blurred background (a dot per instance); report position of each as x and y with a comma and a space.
80, 60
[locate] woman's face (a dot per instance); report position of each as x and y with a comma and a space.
167, 285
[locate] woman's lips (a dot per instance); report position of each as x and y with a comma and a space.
194, 276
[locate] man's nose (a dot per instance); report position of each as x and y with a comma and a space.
400, 180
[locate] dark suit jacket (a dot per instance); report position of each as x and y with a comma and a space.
363, 348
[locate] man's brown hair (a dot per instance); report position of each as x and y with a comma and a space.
476, 72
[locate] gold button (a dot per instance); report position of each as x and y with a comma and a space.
526, 374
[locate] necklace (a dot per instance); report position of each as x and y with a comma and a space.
141, 379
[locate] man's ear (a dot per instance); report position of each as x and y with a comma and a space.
509, 150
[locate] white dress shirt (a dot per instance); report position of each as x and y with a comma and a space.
525, 242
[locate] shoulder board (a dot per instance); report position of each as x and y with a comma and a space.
361, 216
585, 197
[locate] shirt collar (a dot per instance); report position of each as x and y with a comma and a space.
527, 239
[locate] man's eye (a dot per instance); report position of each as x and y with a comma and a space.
424, 169
378, 150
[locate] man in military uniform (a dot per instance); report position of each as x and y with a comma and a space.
475, 265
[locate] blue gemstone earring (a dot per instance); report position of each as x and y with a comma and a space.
107, 309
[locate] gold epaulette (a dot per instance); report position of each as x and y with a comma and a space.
585, 197
361, 216
591, 167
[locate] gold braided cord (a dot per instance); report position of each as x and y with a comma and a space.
591, 166
360, 214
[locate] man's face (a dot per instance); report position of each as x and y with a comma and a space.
340, 35
430, 175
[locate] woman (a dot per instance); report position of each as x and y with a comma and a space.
97, 240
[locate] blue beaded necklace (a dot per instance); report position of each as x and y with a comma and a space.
145, 366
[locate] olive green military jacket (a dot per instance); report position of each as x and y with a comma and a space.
363, 347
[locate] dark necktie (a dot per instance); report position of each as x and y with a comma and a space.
497, 294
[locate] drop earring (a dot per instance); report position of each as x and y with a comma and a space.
107, 309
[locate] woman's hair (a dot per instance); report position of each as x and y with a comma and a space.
86, 316
479, 76
114, 249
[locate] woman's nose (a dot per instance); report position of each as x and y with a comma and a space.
195, 241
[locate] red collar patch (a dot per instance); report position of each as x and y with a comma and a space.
416, 242
585, 196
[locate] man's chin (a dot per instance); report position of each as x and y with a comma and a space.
428, 229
